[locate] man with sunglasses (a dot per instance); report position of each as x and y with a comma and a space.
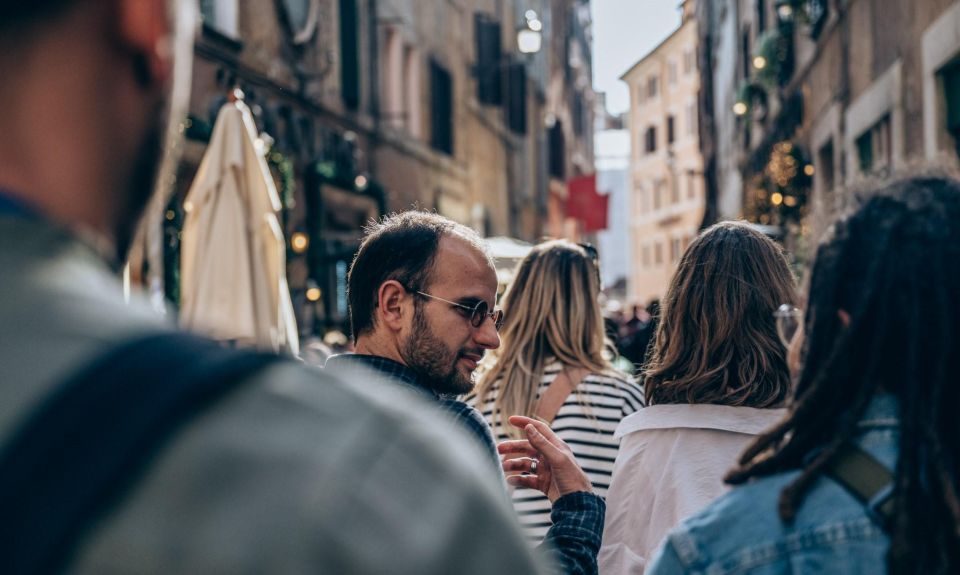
422, 290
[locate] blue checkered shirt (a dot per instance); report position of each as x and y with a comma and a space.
462, 414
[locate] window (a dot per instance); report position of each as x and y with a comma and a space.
222, 16
657, 194
641, 92
951, 92
689, 61
489, 77
517, 98
675, 250
557, 148
874, 149
646, 256
350, 54
672, 73
745, 53
658, 253
825, 170
691, 184
761, 16
392, 89
413, 102
674, 190
653, 87
441, 109
650, 140
692, 118
671, 131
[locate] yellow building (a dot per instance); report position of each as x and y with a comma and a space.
666, 168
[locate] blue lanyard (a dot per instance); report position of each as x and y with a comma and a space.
11, 205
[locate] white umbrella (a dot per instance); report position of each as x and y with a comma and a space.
233, 259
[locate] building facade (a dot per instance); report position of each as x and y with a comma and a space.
809, 97
374, 106
666, 169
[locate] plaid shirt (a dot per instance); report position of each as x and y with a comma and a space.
462, 414
573, 541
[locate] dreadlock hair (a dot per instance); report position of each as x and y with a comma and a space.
893, 266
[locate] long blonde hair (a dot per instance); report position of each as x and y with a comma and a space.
550, 311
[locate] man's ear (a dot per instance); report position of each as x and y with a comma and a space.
392, 301
144, 27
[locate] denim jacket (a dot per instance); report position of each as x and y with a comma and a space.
741, 532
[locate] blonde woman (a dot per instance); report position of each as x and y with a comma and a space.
553, 364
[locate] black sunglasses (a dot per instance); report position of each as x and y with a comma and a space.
478, 313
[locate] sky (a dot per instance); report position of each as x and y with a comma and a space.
623, 32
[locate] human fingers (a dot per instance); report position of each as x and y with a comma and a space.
516, 446
539, 442
525, 481
520, 465
521, 422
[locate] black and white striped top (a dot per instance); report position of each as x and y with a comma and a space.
586, 421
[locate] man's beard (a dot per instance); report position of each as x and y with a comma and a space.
432, 360
142, 182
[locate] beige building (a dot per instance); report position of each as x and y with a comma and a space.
666, 169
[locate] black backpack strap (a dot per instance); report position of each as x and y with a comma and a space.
867, 480
88, 443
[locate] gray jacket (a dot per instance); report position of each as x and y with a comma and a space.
295, 473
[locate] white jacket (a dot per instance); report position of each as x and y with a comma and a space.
671, 463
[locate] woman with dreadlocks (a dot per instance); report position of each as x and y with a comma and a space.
861, 476
717, 377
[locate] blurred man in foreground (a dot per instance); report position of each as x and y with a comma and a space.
127, 448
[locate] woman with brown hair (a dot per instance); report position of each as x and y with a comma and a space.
716, 378
553, 364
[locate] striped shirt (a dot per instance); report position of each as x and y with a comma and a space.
586, 422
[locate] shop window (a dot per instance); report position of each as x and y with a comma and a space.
441, 109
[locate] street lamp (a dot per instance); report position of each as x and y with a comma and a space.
784, 10
529, 36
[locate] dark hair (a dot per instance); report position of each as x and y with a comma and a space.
894, 267
399, 247
717, 339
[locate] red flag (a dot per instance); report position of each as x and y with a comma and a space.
585, 204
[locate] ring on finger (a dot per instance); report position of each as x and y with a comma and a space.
534, 465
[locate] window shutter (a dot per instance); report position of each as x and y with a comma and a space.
489, 72
349, 54
517, 110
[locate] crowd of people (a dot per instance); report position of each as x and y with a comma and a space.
457, 436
